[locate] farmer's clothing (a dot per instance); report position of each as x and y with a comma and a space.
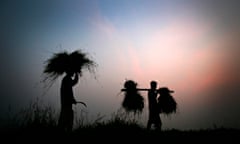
67, 99
154, 117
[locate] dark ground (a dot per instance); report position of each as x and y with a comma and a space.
121, 135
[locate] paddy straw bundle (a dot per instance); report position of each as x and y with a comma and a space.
61, 62
133, 101
166, 102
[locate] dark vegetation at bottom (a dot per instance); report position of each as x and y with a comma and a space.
39, 124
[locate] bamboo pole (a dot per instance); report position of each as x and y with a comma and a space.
138, 89
144, 89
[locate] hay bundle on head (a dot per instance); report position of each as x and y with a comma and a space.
166, 102
133, 101
61, 62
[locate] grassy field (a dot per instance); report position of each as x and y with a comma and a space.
37, 123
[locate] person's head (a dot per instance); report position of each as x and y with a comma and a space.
153, 84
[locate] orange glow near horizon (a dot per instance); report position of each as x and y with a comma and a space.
186, 54
182, 55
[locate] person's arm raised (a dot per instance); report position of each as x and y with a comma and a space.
75, 80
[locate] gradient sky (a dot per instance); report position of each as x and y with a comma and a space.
191, 46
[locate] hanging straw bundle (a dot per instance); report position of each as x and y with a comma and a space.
133, 101
61, 62
166, 102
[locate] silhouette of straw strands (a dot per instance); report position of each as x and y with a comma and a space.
133, 101
166, 102
39, 121
61, 62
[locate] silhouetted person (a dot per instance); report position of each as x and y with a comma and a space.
67, 99
154, 118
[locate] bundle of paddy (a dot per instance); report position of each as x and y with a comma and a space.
133, 101
61, 62
166, 102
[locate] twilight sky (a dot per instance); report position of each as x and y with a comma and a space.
191, 46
